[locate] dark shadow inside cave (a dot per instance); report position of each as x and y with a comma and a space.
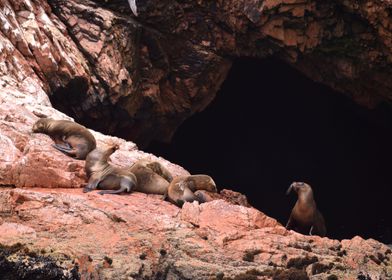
270, 125
73, 100
71, 96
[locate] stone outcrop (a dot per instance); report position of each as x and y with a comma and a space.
142, 237
139, 78
51, 232
29, 160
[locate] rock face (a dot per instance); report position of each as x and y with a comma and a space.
140, 78
48, 232
28, 160
142, 237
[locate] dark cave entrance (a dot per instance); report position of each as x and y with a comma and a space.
270, 125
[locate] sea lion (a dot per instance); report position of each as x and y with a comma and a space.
70, 138
183, 188
304, 217
102, 175
157, 167
152, 177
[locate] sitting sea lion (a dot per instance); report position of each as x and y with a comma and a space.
304, 217
70, 138
104, 176
183, 188
152, 177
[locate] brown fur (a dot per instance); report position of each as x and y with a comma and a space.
152, 177
183, 188
104, 176
70, 138
304, 217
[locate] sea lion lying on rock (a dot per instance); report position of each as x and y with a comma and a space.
152, 177
70, 138
183, 189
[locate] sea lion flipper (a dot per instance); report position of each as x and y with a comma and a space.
126, 185
290, 223
62, 148
319, 227
91, 185
120, 190
111, 191
68, 151
311, 230
165, 196
159, 169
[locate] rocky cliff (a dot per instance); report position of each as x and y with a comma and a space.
139, 78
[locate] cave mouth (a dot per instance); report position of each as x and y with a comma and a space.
269, 126
74, 100
68, 99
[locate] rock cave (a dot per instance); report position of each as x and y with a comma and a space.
258, 141
135, 80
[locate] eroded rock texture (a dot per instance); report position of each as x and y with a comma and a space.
55, 233
142, 237
139, 78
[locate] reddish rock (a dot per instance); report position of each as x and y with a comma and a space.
228, 195
234, 197
87, 56
156, 70
142, 236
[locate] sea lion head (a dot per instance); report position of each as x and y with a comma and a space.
202, 182
299, 188
41, 125
102, 154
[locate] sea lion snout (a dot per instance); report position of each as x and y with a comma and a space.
212, 182
295, 186
39, 125
292, 186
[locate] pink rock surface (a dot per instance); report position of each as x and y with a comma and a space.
145, 236
29, 160
94, 58
138, 236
